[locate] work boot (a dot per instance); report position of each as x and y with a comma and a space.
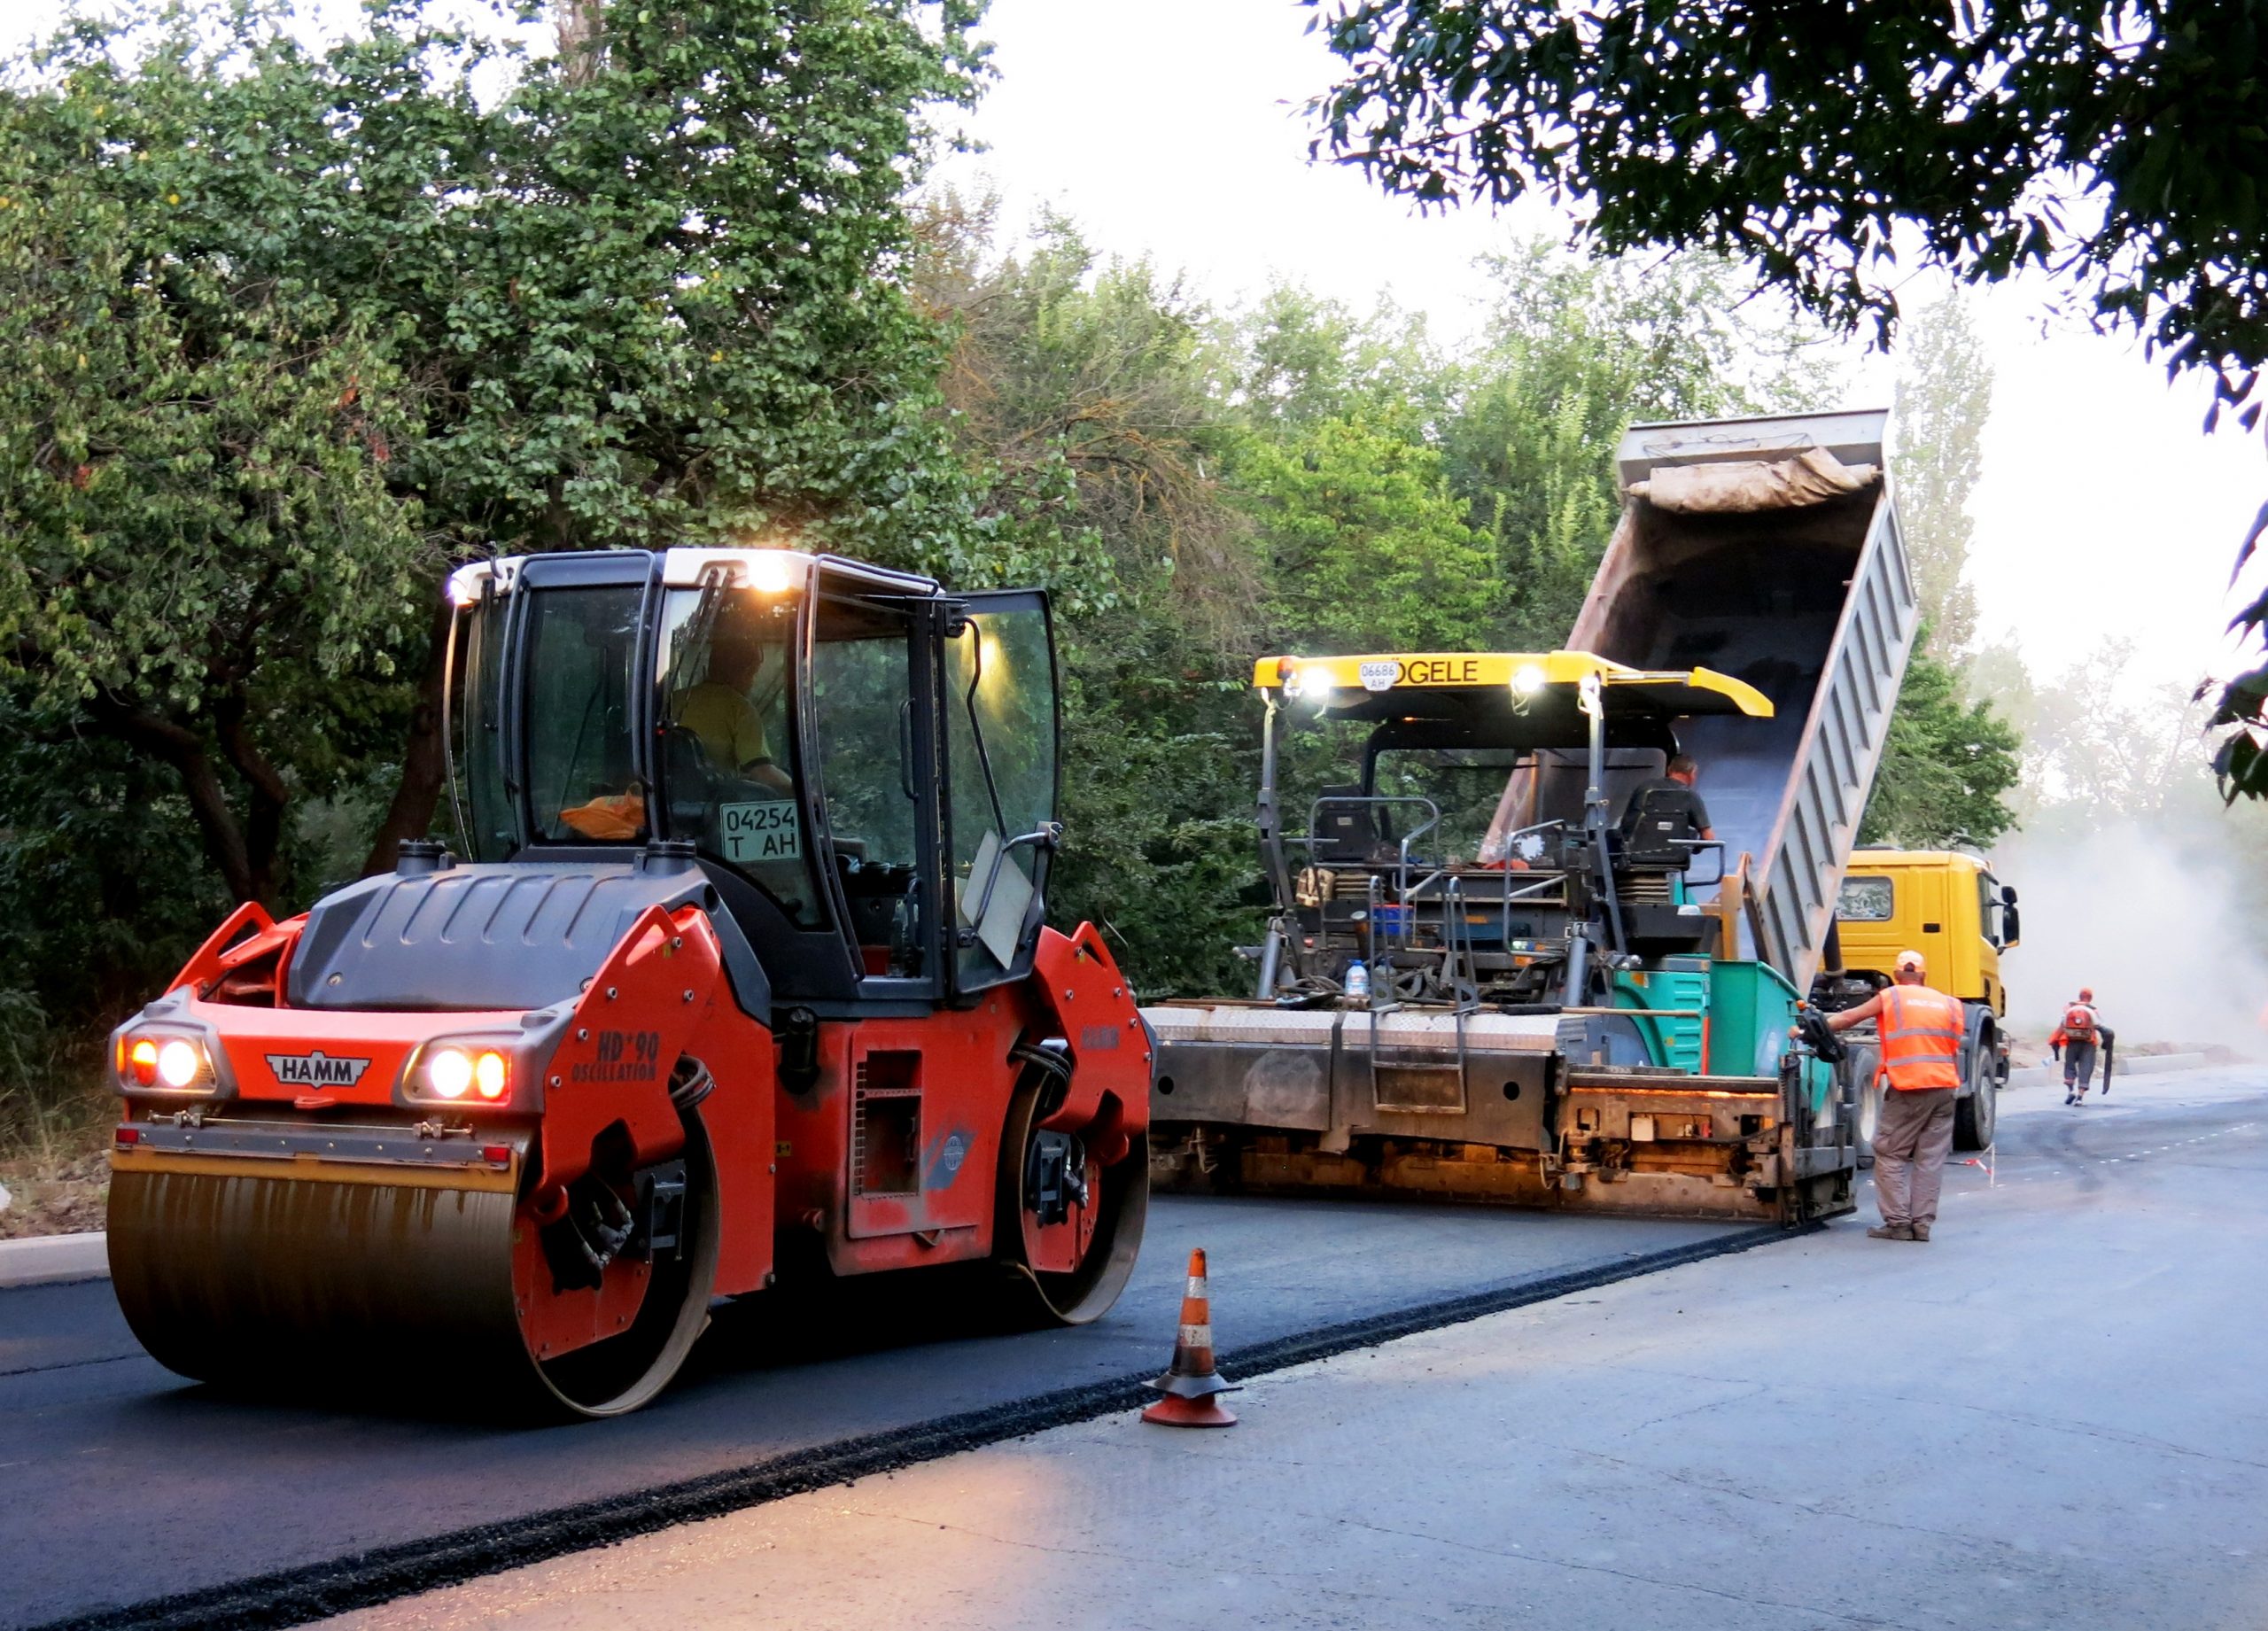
1891, 1231
1919, 1231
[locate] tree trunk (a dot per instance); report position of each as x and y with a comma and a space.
424, 763
269, 796
183, 749
578, 24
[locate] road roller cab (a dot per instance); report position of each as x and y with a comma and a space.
739, 968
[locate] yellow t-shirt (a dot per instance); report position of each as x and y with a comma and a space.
730, 729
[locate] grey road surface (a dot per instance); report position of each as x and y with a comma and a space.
119, 1483
2051, 1416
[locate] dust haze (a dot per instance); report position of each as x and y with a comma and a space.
2155, 920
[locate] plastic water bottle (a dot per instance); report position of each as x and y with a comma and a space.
1358, 979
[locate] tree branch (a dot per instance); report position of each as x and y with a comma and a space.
173, 743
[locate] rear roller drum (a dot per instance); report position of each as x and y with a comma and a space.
1069, 1227
229, 1275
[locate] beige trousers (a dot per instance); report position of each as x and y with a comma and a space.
1911, 1142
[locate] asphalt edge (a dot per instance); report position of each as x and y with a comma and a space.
2140, 1065
365, 1579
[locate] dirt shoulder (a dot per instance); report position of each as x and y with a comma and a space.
54, 1197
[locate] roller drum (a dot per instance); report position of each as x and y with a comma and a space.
249, 1278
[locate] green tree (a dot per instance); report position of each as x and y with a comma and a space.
1950, 767
1947, 766
1835, 145
204, 552
349, 319
1575, 353
1089, 394
1945, 396
1293, 356
1367, 549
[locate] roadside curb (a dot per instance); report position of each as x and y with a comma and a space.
51, 1260
2142, 1065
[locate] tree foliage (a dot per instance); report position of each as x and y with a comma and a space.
205, 552
1949, 766
356, 311
346, 318
2113, 146
1367, 547
2114, 141
1945, 396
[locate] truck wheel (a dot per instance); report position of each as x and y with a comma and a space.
1976, 1117
1862, 1077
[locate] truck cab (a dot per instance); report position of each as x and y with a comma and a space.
1947, 904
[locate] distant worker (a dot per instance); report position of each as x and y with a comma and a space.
2080, 1036
1672, 795
718, 710
1924, 1033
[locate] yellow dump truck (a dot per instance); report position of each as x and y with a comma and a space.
1947, 904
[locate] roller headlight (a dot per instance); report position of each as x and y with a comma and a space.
449, 1073
462, 1070
179, 1063
164, 1060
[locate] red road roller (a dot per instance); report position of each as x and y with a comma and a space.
739, 972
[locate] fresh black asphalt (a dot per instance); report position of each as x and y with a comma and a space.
120, 1486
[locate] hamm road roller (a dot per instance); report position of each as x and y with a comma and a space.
740, 972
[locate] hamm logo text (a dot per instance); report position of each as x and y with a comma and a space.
316, 1069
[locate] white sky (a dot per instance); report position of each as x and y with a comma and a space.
1172, 128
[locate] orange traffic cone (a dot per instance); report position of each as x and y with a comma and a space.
1191, 1384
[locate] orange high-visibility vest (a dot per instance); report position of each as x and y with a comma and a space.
1923, 1032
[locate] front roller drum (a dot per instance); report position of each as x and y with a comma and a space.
239, 1272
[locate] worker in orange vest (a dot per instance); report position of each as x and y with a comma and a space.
1924, 1033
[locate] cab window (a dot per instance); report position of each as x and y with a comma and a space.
1866, 900
489, 829
730, 766
580, 697
1000, 706
863, 700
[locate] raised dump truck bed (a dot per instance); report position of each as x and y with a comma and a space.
1812, 604
1499, 969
